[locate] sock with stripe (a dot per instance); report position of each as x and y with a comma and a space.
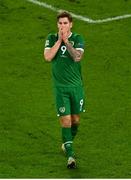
67, 140
74, 130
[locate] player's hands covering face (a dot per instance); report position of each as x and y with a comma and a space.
63, 34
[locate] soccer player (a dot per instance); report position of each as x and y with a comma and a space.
65, 50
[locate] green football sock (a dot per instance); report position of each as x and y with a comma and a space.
67, 140
74, 130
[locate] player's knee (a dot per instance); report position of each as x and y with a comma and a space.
65, 121
75, 122
75, 119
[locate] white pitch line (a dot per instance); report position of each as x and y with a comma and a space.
86, 19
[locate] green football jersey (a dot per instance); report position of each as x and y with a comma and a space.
66, 72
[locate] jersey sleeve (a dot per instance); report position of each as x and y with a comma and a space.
49, 42
79, 44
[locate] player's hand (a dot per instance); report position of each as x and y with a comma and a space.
60, 35
64, 35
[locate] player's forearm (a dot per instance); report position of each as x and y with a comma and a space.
49, 54
75, 54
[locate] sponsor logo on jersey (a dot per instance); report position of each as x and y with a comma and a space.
80, 45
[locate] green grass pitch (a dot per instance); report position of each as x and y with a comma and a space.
29, 128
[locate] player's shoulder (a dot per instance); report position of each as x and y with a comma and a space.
52, 35
78, 41
74, 34
77, 36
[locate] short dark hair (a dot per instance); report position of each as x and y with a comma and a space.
63, 14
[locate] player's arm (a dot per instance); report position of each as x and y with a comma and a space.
75, 54
49, 53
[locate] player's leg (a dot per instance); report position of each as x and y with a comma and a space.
75, 120
65, 122
63, 109
67, 139
77, 102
